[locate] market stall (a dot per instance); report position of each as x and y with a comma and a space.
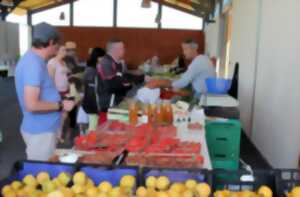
167, 144
162, 128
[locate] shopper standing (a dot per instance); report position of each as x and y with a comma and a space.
40, 102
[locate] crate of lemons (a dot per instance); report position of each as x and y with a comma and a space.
263, 191
161, 187
65, 185
295, 192
80, 185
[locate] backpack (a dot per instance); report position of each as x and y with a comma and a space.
99, 93
89, 101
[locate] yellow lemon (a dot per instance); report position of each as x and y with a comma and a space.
295, 192
115, 192
56, 193
127, 181
42, 177
265, 191
220, 194
79, 178
203, 189
151, 182
78, 189
162, 183
16, 185
162, 194
10, 194
190, 184
92, 192
187, 193
6, 189
151, 192
67, 192
48, 186
105, 187
102, 194
178, 187
141, 192
174, 193
30, 181
29, 189
64, 178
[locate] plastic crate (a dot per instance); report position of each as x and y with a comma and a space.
286, 180
223, 140
217, 85
237, 180
97, 173
176, 175
23, 168
112, 174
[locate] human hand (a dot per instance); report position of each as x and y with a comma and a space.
68, 105
153, 84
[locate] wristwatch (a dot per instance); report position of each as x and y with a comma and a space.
60, 106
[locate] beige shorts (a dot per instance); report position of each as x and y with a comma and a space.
40, 147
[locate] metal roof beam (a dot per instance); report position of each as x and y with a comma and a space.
171, 5
7, 10
52, 6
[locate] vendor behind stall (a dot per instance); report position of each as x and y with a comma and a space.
198, 71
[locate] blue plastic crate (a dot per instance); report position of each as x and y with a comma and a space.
217, 85
53, 169
106, 173
177, 175
23, 168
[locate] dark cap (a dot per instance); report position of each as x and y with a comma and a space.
45, 32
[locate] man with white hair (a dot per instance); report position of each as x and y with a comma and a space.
110, 70
198, 71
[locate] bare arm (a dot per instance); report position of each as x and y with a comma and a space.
33, 102
51, 70
159, 83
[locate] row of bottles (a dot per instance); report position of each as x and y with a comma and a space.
157, 114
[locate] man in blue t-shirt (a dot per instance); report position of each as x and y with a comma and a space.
40, 102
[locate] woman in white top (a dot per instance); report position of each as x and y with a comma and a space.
59, 71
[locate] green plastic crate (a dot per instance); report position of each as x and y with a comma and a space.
223, 140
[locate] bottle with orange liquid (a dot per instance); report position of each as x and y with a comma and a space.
159, 116
133, 113
163, 111
168, 113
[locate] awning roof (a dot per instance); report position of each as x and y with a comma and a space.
196, 7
